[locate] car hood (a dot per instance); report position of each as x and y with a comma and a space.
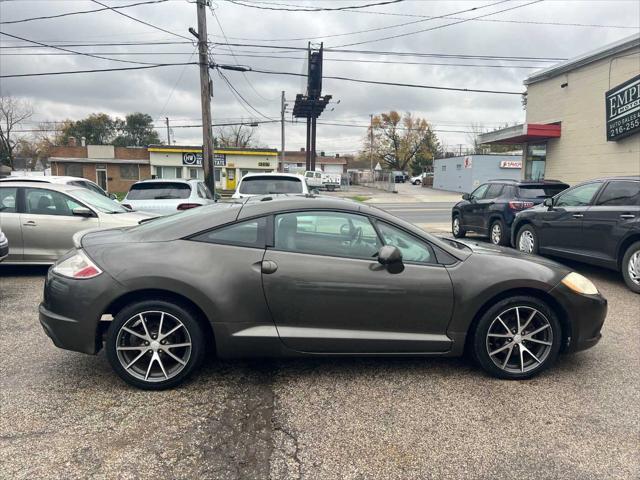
124, 219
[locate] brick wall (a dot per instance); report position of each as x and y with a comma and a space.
114, 178
67, 151
130, 153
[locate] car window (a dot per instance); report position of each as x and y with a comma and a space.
264, 185
40, 201
623, 193
8, 197
244, 234
578, 196
479, 192
159, 191
98, 201
413, 250
205, 191
326, 233
494, 191
539, 191
93, 188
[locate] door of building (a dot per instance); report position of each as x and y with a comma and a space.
101, 177
231, 179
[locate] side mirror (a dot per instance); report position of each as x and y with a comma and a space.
113, 196
389, 255
82, 212
466, 196
548, 202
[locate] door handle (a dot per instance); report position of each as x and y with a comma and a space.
269, 266
29, 223
578, 215
627, 215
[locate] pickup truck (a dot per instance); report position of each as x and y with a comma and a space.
328, 181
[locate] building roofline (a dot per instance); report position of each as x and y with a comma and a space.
609, 50
198, 149
144, 161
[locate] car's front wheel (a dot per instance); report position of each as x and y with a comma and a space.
456, 227
517, 338
417, 182
155, 344
631, 267
527, 240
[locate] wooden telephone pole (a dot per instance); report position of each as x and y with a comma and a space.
205, 97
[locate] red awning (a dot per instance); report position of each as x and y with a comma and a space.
525, 133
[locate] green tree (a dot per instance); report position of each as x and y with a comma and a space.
136, 130
97, 129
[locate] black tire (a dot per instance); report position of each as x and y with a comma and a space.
530, 232
458, 231
518, 367
417, 182
189, 331
631, 273
501, 239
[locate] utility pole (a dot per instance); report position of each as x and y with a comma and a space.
282, 108
166, 119
205, 97
371, 144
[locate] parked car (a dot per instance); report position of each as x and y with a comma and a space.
319, 180
399, 177
418, 179
307, 276
167, 196
490, 208
63, 180
4, 246
40, 219
253, 184
596, 222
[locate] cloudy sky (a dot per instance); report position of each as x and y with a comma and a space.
540, 31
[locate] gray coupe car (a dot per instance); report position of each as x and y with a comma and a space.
309, 276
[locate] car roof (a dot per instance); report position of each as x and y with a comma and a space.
169, 180
60, 187
44, 179
273, 174
512, 181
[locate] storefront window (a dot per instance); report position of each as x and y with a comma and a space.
536, 161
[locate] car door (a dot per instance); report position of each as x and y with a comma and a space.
485, 205
614, 213
48, 224
327, 292
561, 225
10, 221
471, 211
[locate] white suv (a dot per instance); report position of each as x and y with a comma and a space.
167, 196
253, 184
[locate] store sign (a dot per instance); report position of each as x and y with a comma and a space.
264, 164
195, 160
511, 164
623, 109
468, 162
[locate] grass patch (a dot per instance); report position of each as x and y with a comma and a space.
359, 198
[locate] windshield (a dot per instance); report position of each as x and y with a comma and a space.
270, 185
540, 191
159, 191
99, 202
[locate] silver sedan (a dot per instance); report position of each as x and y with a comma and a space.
40, 219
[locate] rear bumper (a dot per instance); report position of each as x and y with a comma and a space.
585, 317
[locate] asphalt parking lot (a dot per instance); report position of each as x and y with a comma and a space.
65, 415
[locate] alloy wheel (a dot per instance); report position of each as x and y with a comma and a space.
519, 340
456, 226
153, 346
526, 242
496, 233
633, 267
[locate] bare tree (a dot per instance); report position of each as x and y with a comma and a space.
473, 137
13, 112
241, 136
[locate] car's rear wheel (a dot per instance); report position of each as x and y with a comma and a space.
517, 338
527, 240
631, 267
456, 227
417, 182
155, 345
497, 233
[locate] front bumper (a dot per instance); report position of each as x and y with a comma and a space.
71, 310
4, 250
585, 315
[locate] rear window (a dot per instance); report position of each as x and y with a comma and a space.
159, 191
270, 185
539, 191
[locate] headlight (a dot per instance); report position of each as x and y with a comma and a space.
580, 284
77, 266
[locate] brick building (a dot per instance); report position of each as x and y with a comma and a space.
295, 161
115, 169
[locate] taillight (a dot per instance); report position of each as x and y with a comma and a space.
77, 266
519, 205
187, 206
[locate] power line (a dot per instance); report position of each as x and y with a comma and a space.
100, 57
438, 26
233, 89
314, 9
68, 14
175, 85
97, 70
140, 21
